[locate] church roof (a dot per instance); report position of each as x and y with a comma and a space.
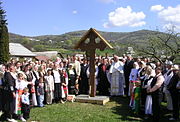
16, 49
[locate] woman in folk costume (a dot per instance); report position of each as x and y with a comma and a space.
36, 79
141, 70
145, 85
141, 76
156, 92
132, 79
64, 85
29, 78
9, 93
42, 70
72, 79
20, 85
117, 77
49, 87
167, 77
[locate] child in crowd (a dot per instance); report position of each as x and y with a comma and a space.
64, 85
132, 95
137, 97
25, 104
40, 92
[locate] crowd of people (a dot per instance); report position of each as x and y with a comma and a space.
35, 83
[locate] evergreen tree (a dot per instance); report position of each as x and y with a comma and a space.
4, 37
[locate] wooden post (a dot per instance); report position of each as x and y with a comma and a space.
92, 38
92, 74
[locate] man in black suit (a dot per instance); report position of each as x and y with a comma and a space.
83, 82
127, 70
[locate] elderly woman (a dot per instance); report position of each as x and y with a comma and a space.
146, 85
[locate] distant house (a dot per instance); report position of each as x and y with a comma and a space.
17, 50
42, 58
47, 55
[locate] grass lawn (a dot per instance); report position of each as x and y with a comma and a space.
116, 110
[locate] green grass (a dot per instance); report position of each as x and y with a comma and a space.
116, 110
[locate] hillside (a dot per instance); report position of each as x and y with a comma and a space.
65, 42
122, 37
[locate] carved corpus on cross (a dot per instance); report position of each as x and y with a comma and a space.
91, 41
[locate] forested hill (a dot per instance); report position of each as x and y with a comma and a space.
65, 42
121, 37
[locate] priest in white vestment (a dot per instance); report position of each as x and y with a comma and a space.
117, 77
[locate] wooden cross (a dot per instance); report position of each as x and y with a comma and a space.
90, 47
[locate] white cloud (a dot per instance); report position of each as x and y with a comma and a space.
74, 12
157, 8
125, 17
107, 1
171, 16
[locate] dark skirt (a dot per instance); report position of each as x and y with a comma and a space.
9, 104
71, 84
84, 85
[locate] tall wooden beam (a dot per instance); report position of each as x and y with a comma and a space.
90, 48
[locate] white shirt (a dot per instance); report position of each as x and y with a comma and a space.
77, 67
20, 85
56, 76
49, 82
25, 98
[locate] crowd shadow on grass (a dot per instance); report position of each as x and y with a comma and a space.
126, 114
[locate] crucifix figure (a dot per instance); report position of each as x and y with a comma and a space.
91, 41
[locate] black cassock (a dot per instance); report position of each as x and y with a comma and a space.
83, 83
103, 83
127, 70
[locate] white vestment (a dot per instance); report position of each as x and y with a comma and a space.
117, 78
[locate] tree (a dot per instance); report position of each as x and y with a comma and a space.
39, 48
4, 37
163, 46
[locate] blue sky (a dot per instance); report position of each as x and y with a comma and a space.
46, 17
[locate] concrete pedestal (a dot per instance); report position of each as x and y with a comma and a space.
101, 100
